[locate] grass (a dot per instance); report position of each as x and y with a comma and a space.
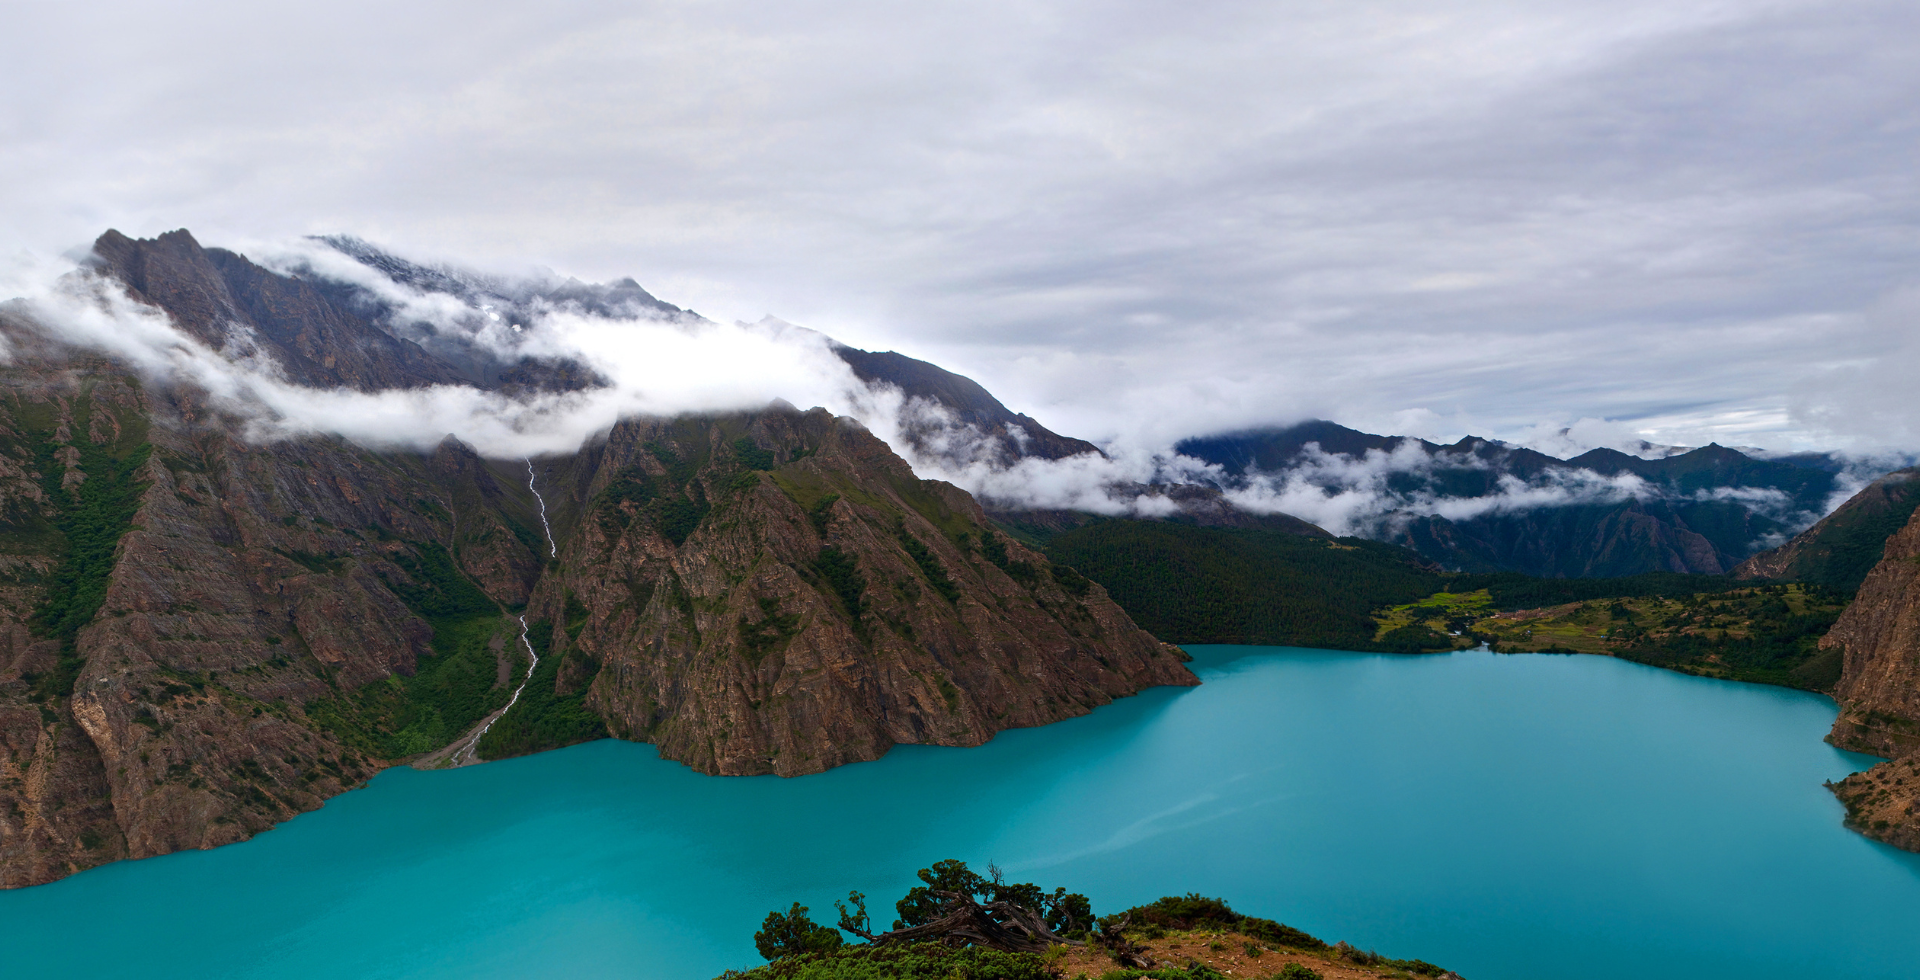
449, 692
770, 633
908, 961
1187, 584
930, 566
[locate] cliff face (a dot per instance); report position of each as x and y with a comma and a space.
176, 603
779, 593
1879, 688
1879, 692
228, 302
1882, 802
201, 637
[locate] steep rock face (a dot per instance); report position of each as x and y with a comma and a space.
177, 602
823, 605
1879, 689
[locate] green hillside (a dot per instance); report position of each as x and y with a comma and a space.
1188, 584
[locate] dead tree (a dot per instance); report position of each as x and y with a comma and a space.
1111, 937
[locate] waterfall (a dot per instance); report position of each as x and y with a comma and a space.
554, 549
465, 755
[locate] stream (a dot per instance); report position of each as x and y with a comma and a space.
465, 755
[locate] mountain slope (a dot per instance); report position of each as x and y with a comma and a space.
1842, 548
826, 605
971, 404
204, 636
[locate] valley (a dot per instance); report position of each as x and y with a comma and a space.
216, 620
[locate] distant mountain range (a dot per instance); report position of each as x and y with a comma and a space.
1483, 505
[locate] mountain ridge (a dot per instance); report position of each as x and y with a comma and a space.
1701, 511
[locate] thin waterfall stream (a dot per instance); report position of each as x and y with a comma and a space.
465, 754
552, 549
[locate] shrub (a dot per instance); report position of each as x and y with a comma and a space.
1181, 913
910, 961
751, 456
792, 933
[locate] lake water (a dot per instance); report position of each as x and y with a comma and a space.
1510, 817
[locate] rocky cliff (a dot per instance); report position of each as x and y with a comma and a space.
779, 593
201, 636
1879, 692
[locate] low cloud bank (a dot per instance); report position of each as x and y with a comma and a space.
655, 366
656, 360
1368, 495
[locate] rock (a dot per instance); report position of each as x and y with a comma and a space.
1882, 802
1879, 691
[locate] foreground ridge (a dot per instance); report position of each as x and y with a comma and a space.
960, 924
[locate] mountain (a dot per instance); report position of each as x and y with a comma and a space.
965, 403
203, 635
226, 301
1603, 513
1016, 435
1841, 548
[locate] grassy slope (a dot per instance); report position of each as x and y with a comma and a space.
543, 718
1766, 634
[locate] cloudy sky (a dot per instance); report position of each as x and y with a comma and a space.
1688, 219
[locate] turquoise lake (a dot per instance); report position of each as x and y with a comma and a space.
1509, 817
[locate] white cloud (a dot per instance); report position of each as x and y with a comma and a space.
657, 367
660, 366
1122, 218
669, 364
1348, 495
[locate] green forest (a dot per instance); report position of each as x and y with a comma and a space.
1189, 584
